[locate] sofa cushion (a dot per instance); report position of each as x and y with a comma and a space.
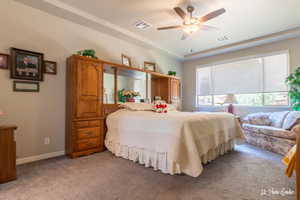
260, 118
277, 118
274, 144
270, 131
291, 119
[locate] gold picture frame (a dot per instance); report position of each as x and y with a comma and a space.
151, 66
26, 86
126, 60
50, 67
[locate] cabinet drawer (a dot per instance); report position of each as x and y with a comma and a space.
95, 123
85, 133
92, 123
88, 144
81, 124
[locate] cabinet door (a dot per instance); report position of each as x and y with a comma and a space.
89, 89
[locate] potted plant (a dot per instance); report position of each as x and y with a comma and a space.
293, 81
88, 53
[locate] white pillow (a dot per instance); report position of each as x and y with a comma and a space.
291, 119
137, 106
171, 107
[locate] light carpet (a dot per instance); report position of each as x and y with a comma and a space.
248, 173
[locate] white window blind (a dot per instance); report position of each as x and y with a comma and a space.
275, 72
204, 81
256, 75
242, 77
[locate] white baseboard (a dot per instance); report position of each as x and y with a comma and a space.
39, 157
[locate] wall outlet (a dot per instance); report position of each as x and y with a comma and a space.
46, 140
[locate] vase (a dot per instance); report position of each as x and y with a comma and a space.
130, 100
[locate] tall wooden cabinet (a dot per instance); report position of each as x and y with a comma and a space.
84, 120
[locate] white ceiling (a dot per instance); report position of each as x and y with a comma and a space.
243, 20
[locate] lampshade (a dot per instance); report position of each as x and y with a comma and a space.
230, 99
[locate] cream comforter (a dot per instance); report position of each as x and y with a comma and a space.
176, 142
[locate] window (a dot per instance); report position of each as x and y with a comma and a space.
257, 81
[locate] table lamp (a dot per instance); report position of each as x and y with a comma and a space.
230, 99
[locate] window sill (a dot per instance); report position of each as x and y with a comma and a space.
241, 106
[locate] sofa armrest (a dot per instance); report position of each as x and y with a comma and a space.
296, 129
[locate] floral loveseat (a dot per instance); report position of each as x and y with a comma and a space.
272, 131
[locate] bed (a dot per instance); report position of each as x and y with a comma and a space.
173, 142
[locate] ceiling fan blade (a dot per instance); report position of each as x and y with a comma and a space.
180, 12
208, 28
169, 27
185, 36
212, 15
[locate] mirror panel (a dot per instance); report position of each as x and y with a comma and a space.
132, 85
109, 85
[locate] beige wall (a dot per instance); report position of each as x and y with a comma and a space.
40, 115
189, 75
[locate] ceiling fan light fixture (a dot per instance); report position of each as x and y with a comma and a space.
191, 28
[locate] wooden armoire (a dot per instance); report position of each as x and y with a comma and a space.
85, 123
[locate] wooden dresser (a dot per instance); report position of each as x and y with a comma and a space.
84, 117
7, 154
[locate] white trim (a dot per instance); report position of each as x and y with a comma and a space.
243, 106
39, 157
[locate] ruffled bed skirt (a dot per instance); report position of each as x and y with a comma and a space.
159, 160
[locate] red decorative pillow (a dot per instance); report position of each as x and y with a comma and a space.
160, 107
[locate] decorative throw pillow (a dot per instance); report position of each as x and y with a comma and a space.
277, 118
291, 120
260, 118
160, 107
137, 106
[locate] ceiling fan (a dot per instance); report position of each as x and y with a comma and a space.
192, 24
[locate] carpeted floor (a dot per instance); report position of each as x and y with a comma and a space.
240, 175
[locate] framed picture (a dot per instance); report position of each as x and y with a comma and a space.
126, 60
26, 65
50, 67
150, 66
24, 86
4, 61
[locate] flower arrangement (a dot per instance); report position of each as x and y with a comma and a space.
130, 93
160, 107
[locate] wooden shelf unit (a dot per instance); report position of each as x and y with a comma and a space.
85, 111
167, 87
